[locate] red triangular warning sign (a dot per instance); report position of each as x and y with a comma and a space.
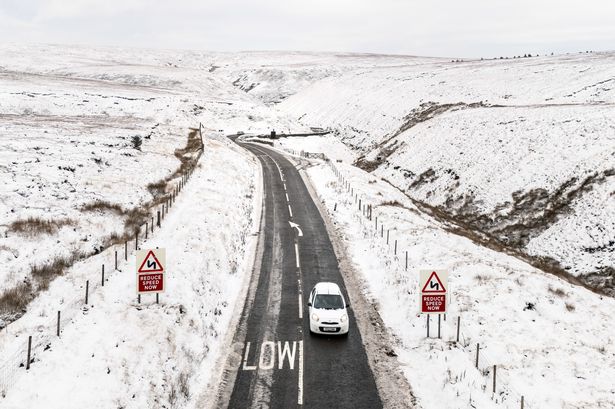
433, 284
151, 264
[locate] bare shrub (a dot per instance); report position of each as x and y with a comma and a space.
394, 203
137, 141
135, 218
182, 381
45, 273
33, 226
557, 291
481, 278
157, 188
16, 299
103, 205
570, 307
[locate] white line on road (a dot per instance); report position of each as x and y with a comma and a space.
300, 307
297, 255
287, 199
285, 187
290, 211
300, 382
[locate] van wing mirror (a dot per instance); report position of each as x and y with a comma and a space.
309, 304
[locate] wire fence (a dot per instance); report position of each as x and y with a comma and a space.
495, 378
25, 350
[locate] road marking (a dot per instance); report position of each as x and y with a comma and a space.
297, 255
290, 211
286, 352
285, 187
300, 381
267, 355
287, 199
247, 367
300, 307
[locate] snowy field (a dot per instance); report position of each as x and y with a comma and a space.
69, 119
552, 342
117, 353
521, 149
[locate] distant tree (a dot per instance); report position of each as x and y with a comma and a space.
137, 142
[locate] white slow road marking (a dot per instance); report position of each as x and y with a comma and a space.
300, 381
247, 367
290, 211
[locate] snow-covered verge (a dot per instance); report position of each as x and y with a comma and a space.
115, 352
521, 150
551, 341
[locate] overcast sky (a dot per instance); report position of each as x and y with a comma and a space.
464, 28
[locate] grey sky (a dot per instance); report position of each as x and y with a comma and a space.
470, 28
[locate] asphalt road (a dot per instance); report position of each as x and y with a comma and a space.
283, 365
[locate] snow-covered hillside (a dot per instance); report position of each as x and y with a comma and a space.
93, 141
522, 150
550, 340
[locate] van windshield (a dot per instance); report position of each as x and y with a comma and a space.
328, 301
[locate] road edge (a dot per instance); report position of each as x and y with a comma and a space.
218, 391
393, 387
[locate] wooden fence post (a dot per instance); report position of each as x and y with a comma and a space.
136, 239
388, 231
103, 275
158, 222
87, 291
494, 373
406, 260
395, 251
29, 351
115, 260
427, 325
58, 326
477, 351
458, 326
522, 402
439, 320
146, 228
125, 250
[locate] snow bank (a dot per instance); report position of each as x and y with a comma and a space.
117, 353
532, 325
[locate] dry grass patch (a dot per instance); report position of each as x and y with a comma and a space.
557, 291
16, 299
103, 205
34, 226
393, 203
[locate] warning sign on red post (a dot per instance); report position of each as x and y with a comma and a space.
434, 291
150, 270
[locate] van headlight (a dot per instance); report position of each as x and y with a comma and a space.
314, 317
343, 318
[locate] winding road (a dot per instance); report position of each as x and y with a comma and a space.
282, 365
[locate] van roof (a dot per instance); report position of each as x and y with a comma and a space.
327, 288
